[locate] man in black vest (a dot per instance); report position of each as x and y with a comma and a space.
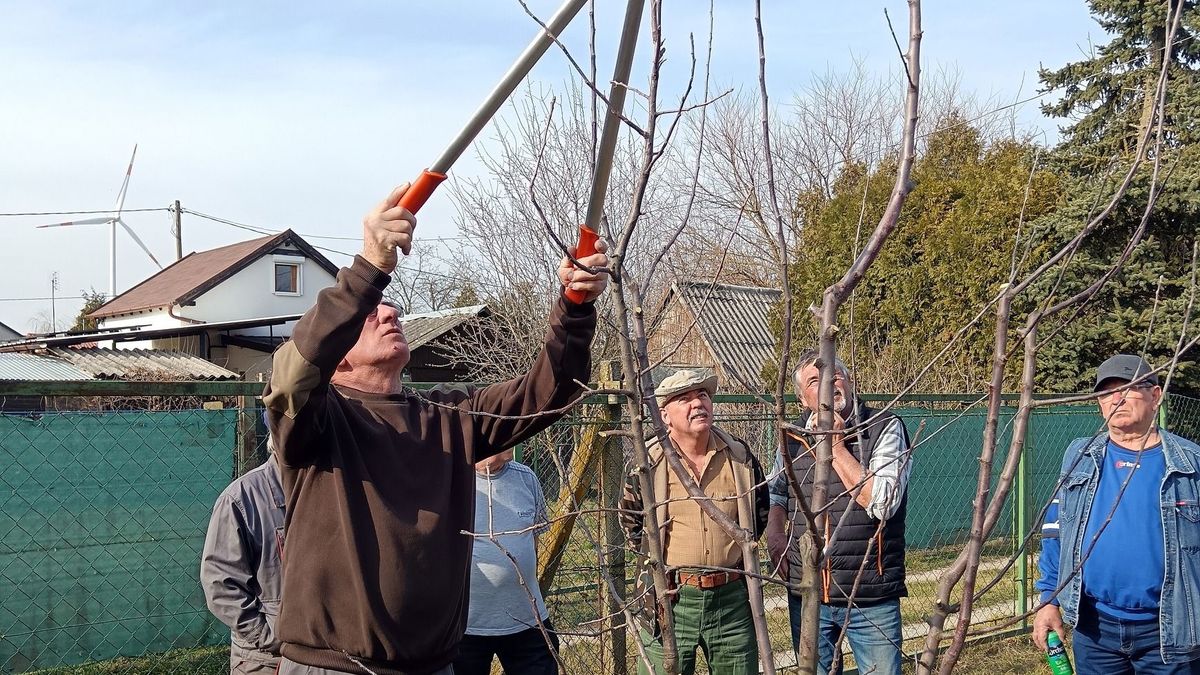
861, 580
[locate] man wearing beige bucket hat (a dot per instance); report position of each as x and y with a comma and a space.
711, 607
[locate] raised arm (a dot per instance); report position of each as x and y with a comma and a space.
890, 466
553, 381
302, 367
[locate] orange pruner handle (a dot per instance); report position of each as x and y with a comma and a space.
419, 192
586, 247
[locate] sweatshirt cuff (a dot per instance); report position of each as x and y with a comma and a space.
369, 273
570, 308
1047, 599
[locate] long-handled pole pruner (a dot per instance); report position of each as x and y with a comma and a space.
608, 136
424, 186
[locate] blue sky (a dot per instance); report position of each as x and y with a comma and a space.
305, 114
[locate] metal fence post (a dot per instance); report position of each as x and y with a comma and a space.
612, 473
246, 456
1021, 525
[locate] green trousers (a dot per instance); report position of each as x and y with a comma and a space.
718, 621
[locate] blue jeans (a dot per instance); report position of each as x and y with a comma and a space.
873, 633
1105, 645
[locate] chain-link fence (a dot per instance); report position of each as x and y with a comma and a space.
948, 432
103, 511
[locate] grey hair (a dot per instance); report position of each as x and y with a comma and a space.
808, 358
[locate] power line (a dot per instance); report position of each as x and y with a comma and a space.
231, 223
81, 213
266, 230
56, 297
262, 230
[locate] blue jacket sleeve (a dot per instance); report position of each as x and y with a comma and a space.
1048, 560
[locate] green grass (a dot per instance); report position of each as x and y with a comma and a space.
1010, 656
571, 609
201, 661
928, 559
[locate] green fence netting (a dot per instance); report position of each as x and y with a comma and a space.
103, 514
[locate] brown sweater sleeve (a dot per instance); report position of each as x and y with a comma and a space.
297, 394
550, 384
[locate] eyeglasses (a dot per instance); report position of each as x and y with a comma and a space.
1127, 392
395, 308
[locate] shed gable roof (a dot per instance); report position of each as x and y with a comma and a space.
422, 329
8, 332
733, 321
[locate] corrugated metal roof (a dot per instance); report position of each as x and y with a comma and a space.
9, 333
421, 329
733, 321
121, 364
31, 367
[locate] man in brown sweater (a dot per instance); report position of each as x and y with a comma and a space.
380, 480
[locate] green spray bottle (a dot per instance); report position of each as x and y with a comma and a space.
1056, 655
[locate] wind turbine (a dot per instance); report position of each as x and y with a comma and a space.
112, 222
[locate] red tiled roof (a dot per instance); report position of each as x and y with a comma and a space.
191, 276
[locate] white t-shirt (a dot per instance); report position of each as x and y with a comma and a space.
508, 501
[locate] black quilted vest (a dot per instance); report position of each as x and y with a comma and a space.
883, 574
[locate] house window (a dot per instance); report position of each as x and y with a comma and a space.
287, 275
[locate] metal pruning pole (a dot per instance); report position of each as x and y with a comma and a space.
430, 178
608, 135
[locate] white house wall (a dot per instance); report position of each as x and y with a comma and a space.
148, 320
251, 363
250, 294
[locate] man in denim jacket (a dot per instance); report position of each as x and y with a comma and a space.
1120, 554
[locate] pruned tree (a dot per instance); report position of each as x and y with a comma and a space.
1058, 307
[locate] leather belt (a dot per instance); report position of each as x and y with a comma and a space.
706, 580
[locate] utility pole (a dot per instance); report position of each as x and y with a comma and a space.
178, 231
53, 288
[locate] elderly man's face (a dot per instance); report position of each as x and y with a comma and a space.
808, 384
688, 413
381, 343
1131, 409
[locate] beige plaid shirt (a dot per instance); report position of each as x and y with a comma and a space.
692, 539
